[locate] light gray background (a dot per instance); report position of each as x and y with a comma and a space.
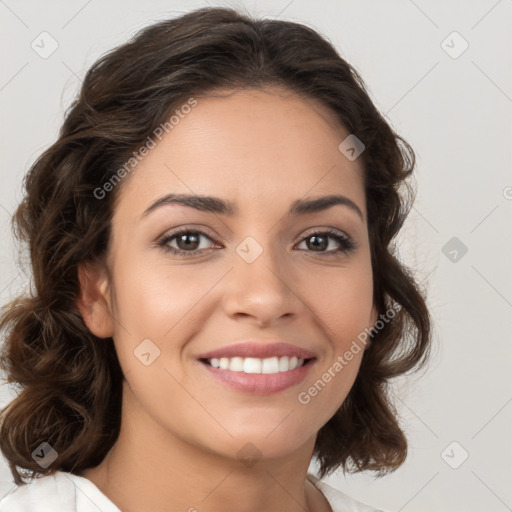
455, 112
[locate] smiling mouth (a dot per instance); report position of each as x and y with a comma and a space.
267, 366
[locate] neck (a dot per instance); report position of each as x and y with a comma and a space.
150, 469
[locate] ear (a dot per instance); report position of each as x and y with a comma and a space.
93, 300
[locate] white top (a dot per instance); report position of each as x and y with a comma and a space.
65, 492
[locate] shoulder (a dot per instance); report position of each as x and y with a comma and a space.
339, 501
60, 491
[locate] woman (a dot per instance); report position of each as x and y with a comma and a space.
216, 296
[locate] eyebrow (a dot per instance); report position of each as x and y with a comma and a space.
224, 207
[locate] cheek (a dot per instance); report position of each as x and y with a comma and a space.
342, 301
343, 305
159, 301
163, 302
346, 315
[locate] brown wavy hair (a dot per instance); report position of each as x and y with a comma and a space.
69, 380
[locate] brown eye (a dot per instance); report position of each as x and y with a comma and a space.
187, 242
319, 242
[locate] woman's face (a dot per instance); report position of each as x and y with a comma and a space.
255, 275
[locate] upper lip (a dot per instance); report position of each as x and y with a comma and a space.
259, 349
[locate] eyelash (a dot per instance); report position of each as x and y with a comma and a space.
347, 244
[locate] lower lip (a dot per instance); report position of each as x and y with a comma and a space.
260, 383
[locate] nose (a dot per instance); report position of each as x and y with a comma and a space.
263, 291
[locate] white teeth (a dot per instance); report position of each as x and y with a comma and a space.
284, 364
236, 364
256, 365
252, 365
270, 365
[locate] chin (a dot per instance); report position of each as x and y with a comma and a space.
266, 442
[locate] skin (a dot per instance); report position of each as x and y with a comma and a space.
181, 429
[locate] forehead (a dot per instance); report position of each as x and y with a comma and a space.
254, 147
